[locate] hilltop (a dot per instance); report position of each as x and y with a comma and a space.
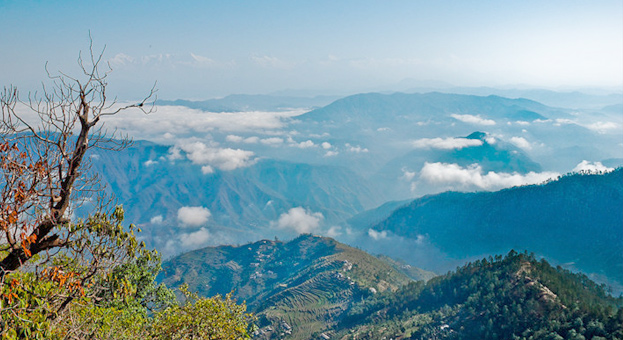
307, 283
515, 297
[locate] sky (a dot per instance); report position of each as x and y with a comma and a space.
207, 49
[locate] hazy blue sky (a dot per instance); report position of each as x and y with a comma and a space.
203, 49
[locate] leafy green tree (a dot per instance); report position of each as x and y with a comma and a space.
214, 318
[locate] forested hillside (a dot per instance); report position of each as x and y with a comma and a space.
576, 220
515, 297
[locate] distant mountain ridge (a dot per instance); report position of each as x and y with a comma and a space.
380, 107
246, 102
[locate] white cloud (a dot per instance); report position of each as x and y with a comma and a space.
194, 239
586, 166
490, 140
206, 170
306, 144
331, 153
121, 59
471, 119
521, 142
150, 162
175, 153
201, 59
603, 127
193, 216
225, 159
334, 231
382, 129
156, 219
300, 220
355, 149
407, 175
472, 176
272, 141
377, 235
184, 121
563, 121
445, 143
252, 140
326, 145
234, 138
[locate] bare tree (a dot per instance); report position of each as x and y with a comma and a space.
44, 141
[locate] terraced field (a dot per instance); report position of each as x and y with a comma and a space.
297, 289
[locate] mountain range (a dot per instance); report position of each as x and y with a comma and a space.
317, 288
576, 221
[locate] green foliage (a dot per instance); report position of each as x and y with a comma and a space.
214, 318
104, 287
515, 297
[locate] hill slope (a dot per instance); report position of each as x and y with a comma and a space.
516, 297
577, 220
308, 283
246, 199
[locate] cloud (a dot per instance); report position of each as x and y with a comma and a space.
407, 175
306, 144
300, 220
224, 159
471, 119
202, 60
184, 121
272, 141
326, 145
356, 149
194, 239
521, 142
596, 167
150, 162
445, 143
472, 176
377, 235
175, 153
156, 219
121, 59
252, 140
334, 231
603, 127
234, 138
331, 153
193, 216
206, 170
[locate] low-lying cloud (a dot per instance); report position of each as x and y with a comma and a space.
377, 235
521, 143
195, 239
445, 143
473, 177
596, 167
300, 220
186, 121
193, 216
471, 119
225, 159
